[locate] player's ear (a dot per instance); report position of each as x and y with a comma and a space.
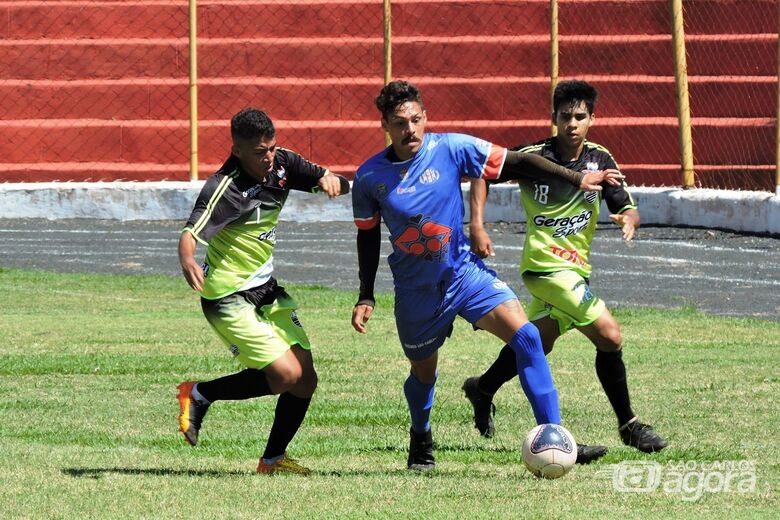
592, 118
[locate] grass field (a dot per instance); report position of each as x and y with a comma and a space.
88, 415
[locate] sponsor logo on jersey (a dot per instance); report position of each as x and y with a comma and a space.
251, 192
295, 320
403, 191
269, 235
424, 237
565, 226
381, 191
482, 145
569, 255
429, 176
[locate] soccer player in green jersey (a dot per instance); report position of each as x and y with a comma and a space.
236, 215
555, 265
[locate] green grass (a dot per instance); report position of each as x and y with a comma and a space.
87, 413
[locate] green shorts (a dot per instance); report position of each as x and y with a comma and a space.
563, 296
259, 325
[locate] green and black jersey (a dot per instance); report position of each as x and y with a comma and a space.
561, 218
236, 216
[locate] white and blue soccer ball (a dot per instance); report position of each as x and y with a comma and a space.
549, 451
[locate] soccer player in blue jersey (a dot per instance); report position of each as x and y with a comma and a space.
236, 214
414, 186
555, 266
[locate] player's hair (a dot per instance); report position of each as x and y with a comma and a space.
574, 91
394, 94
251, 124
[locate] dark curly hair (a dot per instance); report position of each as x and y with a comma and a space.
394, 94
251, 124
572, 92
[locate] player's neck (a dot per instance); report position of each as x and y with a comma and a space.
568, 154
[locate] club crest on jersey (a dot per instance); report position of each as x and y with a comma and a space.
206, 268
425, 238
429, 176
592, 166
590, 196
381, 191
583, 292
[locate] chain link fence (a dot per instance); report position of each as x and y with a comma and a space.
98, 90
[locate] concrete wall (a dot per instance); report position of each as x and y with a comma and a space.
746, 211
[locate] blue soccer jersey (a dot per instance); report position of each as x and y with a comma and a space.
421, 203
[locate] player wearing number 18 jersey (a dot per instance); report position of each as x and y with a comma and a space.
555, 266
414, 186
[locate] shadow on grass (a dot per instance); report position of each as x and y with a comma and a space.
164, 472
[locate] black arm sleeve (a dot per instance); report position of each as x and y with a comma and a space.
368, 244
532, 166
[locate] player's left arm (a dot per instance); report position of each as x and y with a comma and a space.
305, 175
622, 206
531, 166
628, 222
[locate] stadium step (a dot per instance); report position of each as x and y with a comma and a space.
141, 18
631, 140
707, 176
339, 57
351, 98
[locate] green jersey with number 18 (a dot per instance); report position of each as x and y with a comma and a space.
561, 219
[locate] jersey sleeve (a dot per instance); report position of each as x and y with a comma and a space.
476, 157
618, 198
303, 175
365, 207
213, 209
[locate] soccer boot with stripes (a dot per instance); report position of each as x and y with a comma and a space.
284, 465
641, 436
191, 413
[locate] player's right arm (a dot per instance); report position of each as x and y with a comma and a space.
190, 268
365, 209
480, 240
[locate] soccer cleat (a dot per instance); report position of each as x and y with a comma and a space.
420, 451
587, 454
191, 413
484, 409
283, 465
641, 436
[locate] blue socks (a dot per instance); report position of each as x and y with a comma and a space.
420, 398
535, 376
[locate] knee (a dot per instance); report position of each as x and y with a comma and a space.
612, 342
307, 384
284, 380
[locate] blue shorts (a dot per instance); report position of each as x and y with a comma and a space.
424, 316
